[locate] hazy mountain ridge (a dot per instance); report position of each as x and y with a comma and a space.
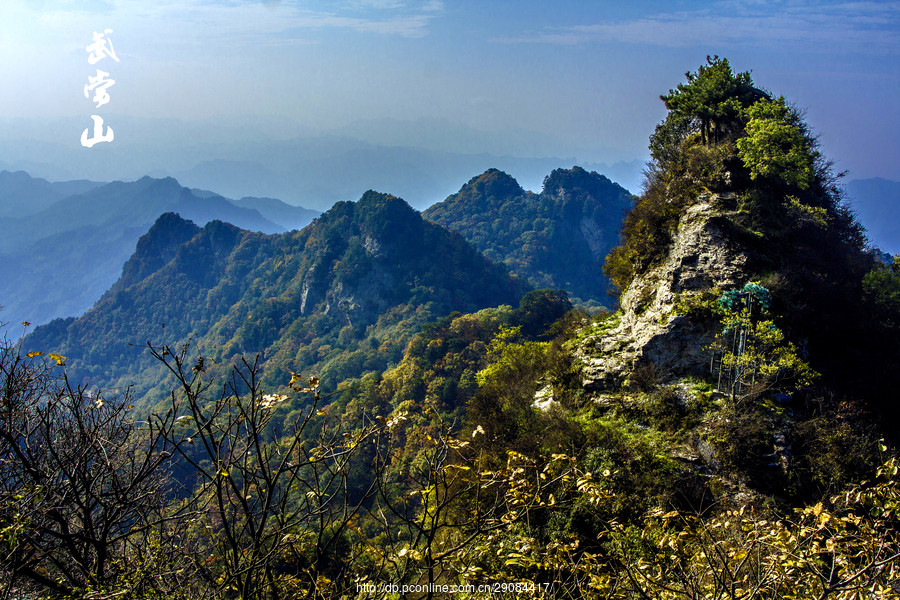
59, 260
287, 215
22, 195
307, 167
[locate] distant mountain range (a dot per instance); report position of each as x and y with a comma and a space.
22, 195
422, 160
63, 244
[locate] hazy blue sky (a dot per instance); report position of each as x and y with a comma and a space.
587, 73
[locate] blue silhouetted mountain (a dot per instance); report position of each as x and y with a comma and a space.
556, 239
341, 297
286, 215
22, 195
59, 260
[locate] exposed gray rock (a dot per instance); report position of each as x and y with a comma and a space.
543, 398
703, 255
593, 235
372, 246
304, 292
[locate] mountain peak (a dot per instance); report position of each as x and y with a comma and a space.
557, 239
578, 182
18, 176
168, 180
493, 183
375, 200
384, 215
166, 222
727, 207
155, 248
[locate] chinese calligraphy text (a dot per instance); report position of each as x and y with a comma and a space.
99, 84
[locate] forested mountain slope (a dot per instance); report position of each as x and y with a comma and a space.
341, 296
556, 239
738, 194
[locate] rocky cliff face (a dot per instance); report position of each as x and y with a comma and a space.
705, 254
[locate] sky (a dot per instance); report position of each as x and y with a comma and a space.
575, 78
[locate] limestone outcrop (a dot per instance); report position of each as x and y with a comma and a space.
705, 253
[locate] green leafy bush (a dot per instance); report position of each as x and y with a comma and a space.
775, 144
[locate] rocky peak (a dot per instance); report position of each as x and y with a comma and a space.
704, 254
